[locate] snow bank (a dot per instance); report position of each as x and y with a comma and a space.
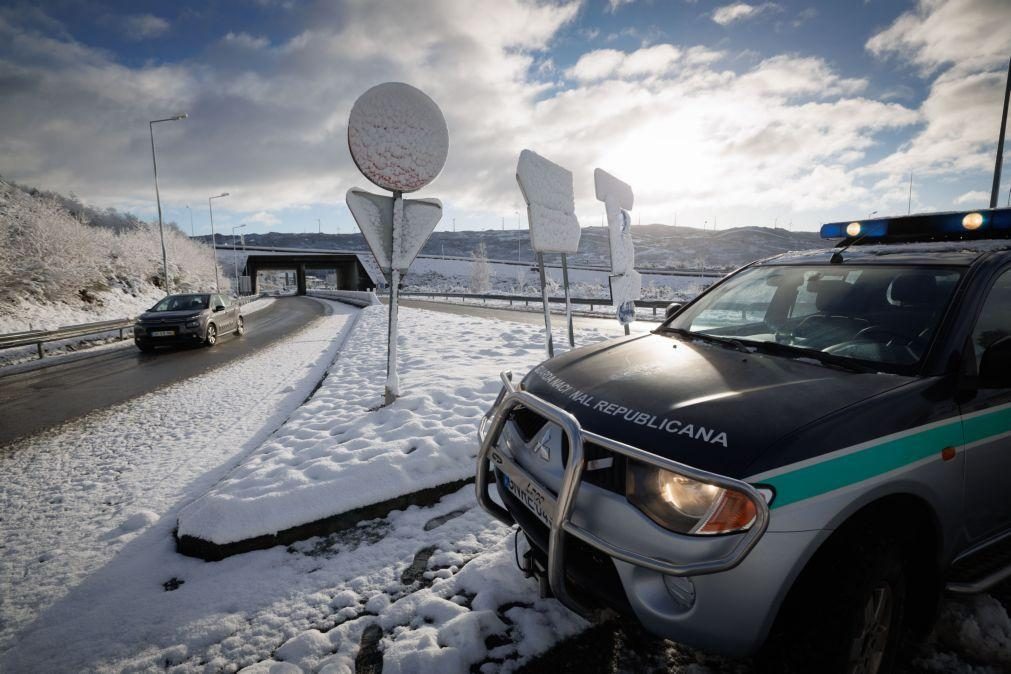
341, 451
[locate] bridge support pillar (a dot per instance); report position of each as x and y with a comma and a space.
300, 272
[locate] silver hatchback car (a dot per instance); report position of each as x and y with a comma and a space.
187, 319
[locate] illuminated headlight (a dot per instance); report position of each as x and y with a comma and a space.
685, 505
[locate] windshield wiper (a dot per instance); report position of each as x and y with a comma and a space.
729, 342
791, 351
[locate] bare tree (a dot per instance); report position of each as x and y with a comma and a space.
480, 274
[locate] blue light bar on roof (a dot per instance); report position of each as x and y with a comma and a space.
927, 226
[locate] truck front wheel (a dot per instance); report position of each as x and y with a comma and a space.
847, 611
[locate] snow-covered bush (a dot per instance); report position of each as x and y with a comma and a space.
50, 251
480, 275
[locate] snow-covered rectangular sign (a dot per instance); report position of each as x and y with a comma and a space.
551, 204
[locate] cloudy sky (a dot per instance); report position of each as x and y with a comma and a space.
795, 112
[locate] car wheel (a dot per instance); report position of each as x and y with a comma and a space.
847, 612
240, 326
212, 335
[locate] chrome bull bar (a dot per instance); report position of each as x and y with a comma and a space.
560, 507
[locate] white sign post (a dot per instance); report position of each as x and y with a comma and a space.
399, 140
551, 213
626, 282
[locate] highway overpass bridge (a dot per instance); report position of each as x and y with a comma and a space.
353, 270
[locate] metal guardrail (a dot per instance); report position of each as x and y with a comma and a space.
11, 340
527, 299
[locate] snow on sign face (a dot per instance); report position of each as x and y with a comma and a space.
398, 137
618, 198
551, 204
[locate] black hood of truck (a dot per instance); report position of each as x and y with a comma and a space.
705, 405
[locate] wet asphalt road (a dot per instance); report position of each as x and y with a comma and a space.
37, 399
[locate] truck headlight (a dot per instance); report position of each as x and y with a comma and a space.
687, 506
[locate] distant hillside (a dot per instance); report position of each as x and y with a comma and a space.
656, 246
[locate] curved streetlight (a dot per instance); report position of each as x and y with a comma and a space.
193, 232
157, 196
214, 240
235, 259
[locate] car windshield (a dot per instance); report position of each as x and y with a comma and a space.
861, 317
183, 303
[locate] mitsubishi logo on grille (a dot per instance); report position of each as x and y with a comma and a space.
541, 448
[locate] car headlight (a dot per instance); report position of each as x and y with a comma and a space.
193, 324
687, 506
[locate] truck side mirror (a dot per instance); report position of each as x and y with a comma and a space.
995, 365
672, 309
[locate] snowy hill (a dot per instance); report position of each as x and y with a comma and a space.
62, 262
656, 246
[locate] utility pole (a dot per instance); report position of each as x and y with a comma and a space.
909, 206
454, 225
214, 240
192, 231
320, 225
1000, 140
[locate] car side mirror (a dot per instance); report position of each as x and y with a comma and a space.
220, 307
995, 365
672, 309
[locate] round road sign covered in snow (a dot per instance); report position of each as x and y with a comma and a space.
398, 137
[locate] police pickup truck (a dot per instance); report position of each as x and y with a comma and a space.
797, 463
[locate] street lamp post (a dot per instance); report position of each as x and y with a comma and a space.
214, 240
157, 196
235, 259
193, 232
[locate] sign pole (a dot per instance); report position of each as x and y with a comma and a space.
549, 344
568, 302
392, 377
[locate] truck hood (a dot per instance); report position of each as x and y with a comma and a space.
705, 405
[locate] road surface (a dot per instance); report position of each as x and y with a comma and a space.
31, 401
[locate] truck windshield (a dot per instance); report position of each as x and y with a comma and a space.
850, 316
182, 303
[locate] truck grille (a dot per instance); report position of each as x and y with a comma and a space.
529, 423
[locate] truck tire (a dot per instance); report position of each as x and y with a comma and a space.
847, 612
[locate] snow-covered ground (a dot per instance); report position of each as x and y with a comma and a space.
74, 496
342, 451
92, 581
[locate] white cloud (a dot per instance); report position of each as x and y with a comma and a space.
263, 218
976, 197
614, 5
144, 26
740, 11
267, 123
603, 63
957, 44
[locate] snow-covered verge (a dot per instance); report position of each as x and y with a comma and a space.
342, 451
256, 305
73, 497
